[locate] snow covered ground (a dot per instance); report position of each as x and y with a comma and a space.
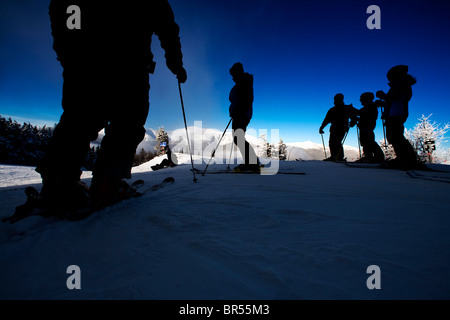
238, 237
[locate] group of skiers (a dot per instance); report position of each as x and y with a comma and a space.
394, 106
106, 68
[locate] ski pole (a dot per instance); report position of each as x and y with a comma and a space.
187, 133
324, 149
359, 141
214, 152
384, 126
229, 159
384, 133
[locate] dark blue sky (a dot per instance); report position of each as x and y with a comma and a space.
301, 54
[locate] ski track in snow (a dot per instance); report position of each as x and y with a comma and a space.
238, 237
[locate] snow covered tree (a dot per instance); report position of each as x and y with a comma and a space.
388, 150
427, 138
161, 137
266, 149
282, 150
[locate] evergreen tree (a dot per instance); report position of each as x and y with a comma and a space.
388, 150
161, 137
282, 150
427, 138
266, 149
22, 144
142, 157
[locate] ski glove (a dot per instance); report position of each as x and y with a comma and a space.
381, 95
321, 130
181, 75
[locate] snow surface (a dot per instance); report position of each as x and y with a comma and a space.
237, 237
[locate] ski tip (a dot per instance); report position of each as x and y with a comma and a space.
137, 183
7, 219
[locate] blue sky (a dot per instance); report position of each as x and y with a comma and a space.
301, 54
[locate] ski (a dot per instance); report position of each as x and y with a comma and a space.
167, 181
32, 205
83, 213
386, 166
361, 164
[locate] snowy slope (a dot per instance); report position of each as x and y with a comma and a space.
238, 237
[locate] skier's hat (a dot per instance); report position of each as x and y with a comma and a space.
339, 97
367, 96
397, 72
236, 69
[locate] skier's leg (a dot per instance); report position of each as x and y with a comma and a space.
332, 145
240, 142
378, 154
394, 134
124, 132
249, 156
364, 138
60, 167
337, 151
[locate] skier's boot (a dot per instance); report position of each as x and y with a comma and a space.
59, 198
105, 192
403, 165
364, 160
248, 167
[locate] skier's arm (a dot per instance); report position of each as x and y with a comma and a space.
325, 122
381, 95
168, 33
353, 112
57, 10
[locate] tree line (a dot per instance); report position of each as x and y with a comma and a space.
25, 144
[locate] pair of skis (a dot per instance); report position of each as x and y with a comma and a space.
33, 204
421, 172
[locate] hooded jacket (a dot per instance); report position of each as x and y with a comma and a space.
398, 98
241, 97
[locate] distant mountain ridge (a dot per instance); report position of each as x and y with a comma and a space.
203, 141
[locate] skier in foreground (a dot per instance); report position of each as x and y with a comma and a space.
106, 64
396, 112
339, 117
241, 111
367, 122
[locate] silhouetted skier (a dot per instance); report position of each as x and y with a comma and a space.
339, 116
106, 65
367, 122
241, 111
168, 162
396, 112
